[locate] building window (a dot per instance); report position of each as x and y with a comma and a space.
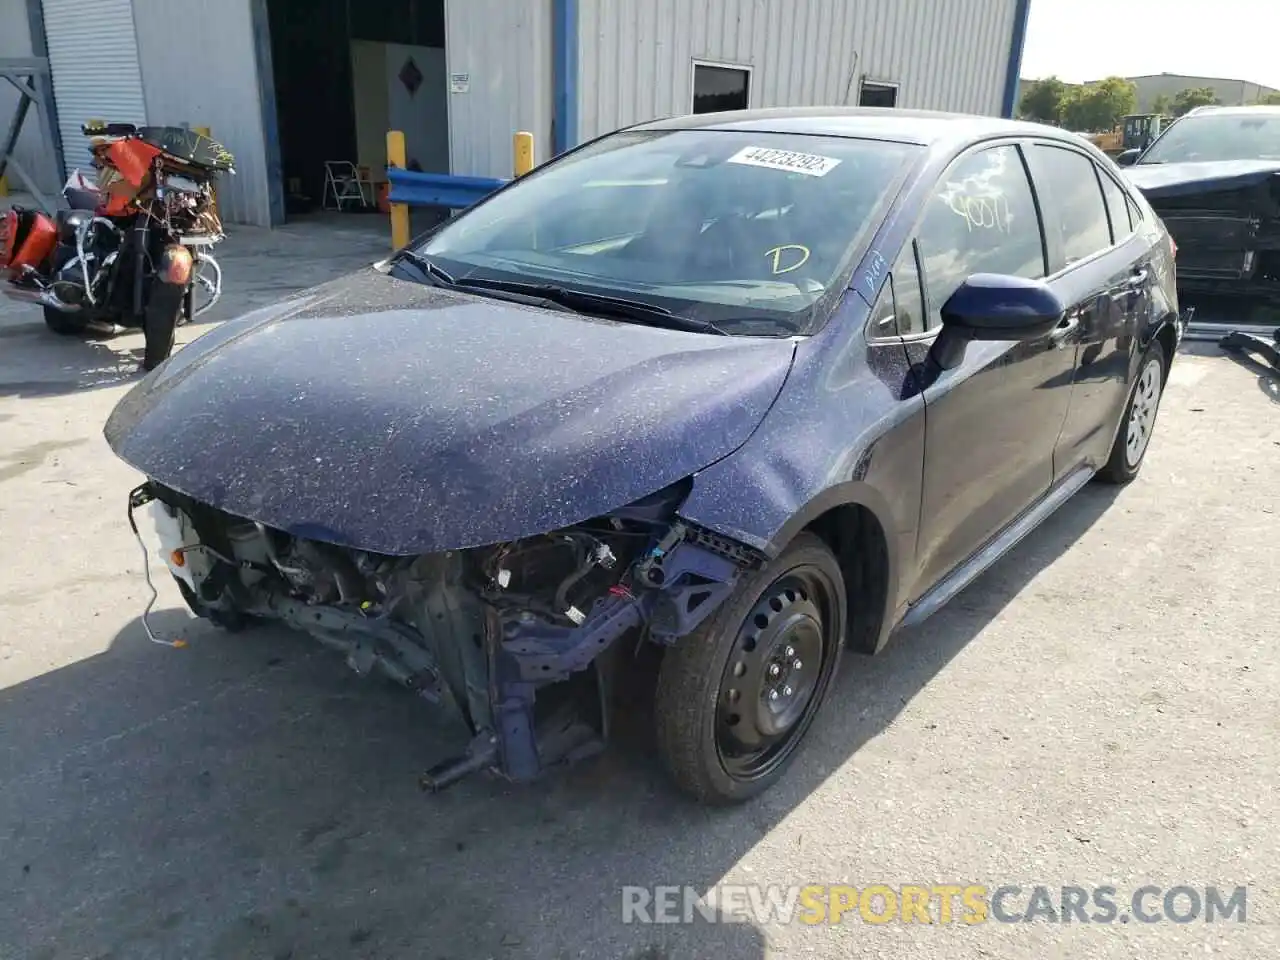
878, 94
717, 88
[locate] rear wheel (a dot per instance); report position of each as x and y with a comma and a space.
1139, 420
736, 698
63, 324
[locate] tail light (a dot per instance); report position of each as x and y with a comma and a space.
27, 238
1173, 247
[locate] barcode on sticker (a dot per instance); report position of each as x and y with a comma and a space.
810, 164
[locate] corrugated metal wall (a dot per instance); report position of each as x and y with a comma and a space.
93, 55
636, 56
504, 47
199, 68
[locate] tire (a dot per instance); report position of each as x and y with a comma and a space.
63, 324
1139, 419
160, 325
754, 649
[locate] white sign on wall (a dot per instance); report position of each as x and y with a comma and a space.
459, 82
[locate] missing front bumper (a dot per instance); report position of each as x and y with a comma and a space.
446, 627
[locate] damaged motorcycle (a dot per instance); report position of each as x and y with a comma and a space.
131, 250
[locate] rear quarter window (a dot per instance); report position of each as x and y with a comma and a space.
1118, 205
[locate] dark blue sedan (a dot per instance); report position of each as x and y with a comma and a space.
748, 388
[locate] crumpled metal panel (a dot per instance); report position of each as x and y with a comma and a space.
1160, 180
393, 417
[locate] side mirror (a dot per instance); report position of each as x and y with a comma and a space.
995, 307
1128, 157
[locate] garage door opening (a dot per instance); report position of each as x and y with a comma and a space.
346, 72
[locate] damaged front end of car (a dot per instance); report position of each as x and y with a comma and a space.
1225, 219
513, 638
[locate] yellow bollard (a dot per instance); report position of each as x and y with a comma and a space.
204, 132
399, 211
522, 147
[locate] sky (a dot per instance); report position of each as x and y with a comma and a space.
1090, 39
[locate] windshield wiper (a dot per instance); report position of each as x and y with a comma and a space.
599, 304
429, 267
437, 276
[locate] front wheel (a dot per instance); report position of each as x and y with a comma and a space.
737, 696
1139, 420
160, 323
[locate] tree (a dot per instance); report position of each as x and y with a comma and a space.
1163, 105
1043, 101
1099, 106
1193, 97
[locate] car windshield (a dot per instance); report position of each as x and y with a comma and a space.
1218, 136
746, 231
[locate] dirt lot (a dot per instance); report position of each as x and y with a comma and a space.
1101, 708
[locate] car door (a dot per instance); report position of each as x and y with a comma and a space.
992, 421
1095, 266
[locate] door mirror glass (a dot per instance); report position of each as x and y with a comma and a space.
1128, 158
995, 307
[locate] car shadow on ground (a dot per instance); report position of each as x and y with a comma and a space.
248, 796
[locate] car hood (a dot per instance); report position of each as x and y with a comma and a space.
1158, 180
398, 418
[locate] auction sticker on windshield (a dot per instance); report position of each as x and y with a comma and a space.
810, 164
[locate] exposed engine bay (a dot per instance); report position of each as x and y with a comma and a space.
479, 631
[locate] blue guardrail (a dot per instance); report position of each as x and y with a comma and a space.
438, 189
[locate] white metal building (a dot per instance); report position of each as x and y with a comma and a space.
289, 84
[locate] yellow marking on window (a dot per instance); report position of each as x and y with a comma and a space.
777, 252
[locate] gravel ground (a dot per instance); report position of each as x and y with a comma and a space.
1100, 708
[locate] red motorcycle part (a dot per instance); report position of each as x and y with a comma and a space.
133, 159
27, 239
175, 265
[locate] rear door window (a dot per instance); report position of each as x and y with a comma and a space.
1071, 200
981, 218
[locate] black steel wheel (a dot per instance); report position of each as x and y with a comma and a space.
736, 698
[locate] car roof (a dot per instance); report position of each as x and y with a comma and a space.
925, 127
1245, 110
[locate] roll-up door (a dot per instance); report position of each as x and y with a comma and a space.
93, 56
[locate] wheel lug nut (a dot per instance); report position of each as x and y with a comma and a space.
797, 665
773, 694
786, 691
774, 670
791, 651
